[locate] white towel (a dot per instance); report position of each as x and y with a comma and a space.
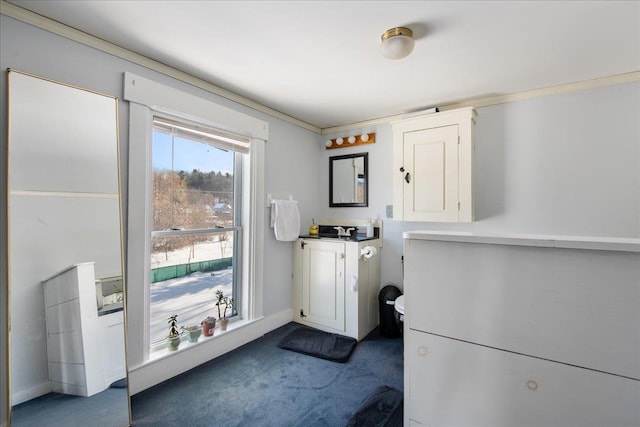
285, 220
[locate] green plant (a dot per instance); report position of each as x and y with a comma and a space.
221, 300
173, 326
228, 304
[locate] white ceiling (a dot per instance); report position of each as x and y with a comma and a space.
319, 61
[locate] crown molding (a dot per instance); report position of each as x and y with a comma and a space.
499, 99
55, 27
60, 29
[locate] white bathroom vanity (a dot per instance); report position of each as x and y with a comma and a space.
336, 283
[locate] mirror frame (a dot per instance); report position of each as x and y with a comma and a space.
365, 203
108, 99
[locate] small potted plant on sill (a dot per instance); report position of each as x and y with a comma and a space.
208, 326
173, 340
192, 332
222, 315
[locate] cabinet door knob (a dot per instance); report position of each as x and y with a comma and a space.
422, 351
401, 168
532, 385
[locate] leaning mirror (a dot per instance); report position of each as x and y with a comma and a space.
348, 186
66, 302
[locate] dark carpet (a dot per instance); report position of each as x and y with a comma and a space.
105, 409
260, 384
324, 345
384, 408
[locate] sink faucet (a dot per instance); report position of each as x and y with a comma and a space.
344, 233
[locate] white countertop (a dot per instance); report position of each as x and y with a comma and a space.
548, 241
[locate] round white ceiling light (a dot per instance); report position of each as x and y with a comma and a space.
397, 43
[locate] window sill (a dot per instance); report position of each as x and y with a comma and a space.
161, 352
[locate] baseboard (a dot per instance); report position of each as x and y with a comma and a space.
21, 396
274, 321
157, 371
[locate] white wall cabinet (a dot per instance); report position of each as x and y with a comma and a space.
529, 331
334, 288
433, 167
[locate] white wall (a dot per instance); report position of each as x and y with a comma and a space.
292, 169
291, 152
566, 164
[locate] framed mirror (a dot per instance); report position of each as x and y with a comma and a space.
348, 180
66, 285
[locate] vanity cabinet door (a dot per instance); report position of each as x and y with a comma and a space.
454, 383
323, 284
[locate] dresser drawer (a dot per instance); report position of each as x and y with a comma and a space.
452, 383
574, 306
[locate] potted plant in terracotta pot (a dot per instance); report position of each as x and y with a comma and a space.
227, 302
173, 339
192, 332
208, 326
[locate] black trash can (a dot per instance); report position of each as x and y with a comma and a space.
386, 302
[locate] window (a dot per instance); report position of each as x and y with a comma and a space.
157, 111
196, 220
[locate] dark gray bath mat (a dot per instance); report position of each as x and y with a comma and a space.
383, 408
324, 345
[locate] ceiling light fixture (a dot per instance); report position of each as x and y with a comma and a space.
397, 43
353, 140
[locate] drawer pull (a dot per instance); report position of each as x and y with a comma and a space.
422, 351
532, 385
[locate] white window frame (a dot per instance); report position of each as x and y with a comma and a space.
146, 99
241, 195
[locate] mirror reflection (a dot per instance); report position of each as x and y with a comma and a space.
67, 346
348, 180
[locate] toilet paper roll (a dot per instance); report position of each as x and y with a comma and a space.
368, 252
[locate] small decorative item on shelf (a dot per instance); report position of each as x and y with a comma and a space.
208, 326
173, 339
352, 141
313, 230
222, 315
192, 332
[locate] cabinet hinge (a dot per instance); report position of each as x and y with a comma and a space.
302, 244
458, 205
458, 139
302, 313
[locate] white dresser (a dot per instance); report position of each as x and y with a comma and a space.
521, 330
85, 350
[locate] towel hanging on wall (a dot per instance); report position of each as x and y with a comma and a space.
285, 220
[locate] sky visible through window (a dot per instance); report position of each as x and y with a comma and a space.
189, 155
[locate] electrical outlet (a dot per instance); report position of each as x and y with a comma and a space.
389, 211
